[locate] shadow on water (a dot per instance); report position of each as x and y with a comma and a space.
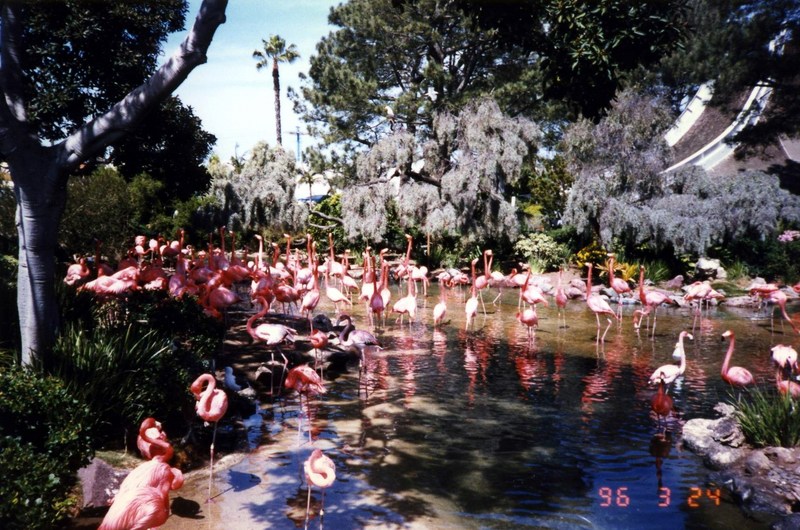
486, 429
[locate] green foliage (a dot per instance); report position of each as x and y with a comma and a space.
656, 271
319, 227
9, 319
132, 357
542, 249
44, 440
738, 270
590, 45
119, 376
8, 228
769, 419
592, 253
93, 202
549, 189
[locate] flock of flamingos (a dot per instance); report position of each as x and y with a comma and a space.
220, 279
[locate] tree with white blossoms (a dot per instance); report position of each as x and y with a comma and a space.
621, 195
455, 183
261, 195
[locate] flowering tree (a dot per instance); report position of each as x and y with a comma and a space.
457, 183
622, 196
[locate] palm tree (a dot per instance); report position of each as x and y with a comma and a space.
275, 48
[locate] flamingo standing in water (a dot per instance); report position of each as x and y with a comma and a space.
619, 285
734, 375
779, 298
651, 300
661, 403
471, 306
273, 335
785, 360
561, 299
320, 471
211, 406
529, 319
598, 305
440, 309
305, 381
668, 373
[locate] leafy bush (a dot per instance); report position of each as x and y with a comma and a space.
540, 248
592, 253
656, 271
132, 357
9, 319
769, 419
122, 378
44, 439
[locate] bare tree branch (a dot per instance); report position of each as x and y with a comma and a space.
105, 129
327, 217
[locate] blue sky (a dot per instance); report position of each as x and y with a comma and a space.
234, 101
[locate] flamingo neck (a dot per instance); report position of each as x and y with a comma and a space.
166, 446
728, 356
589, 282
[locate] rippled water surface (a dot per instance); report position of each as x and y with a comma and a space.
484, 429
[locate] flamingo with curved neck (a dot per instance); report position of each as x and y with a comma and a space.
211, 406
734, 375
152, 441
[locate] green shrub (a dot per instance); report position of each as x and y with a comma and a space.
44, 439
122, 377
656, 271
769, 419
541, 250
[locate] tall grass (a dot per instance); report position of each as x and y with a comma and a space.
119, 375
769, 419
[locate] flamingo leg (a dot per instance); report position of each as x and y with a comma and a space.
603, 339
211, 462
308, 505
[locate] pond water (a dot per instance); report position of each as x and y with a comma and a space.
484, 429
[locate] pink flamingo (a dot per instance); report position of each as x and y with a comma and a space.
619, 285
77, 273
155, 473
377, 302
334, 294
471, 306
306, 382
356, 341
211, 406
779, 298
320, 471
440, 309
530, 319
319, 340
561, 299
149, 431
273, 335
407, 304
785, 360
651, 299
598, 305
668, 373
138, 509
734, 375
786, 386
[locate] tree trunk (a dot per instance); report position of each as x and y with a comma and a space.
41, 194
276, 85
